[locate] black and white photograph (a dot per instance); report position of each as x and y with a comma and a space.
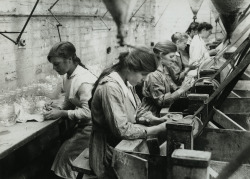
124, 89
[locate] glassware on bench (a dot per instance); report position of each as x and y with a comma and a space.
7, 114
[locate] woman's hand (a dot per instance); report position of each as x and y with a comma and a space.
186, 85
194, 65
54, 114
154, 130
50, 106
149, 119
172, 117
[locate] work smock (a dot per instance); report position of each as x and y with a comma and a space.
158, 91
113, 111
79, 111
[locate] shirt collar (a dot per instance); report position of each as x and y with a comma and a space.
75, 72
125, 87
118, 79
163, 69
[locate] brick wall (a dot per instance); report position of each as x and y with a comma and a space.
20, 66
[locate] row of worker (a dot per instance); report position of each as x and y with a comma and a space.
107, 108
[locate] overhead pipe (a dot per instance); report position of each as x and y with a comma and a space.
26, 23
17, 41
230, 14
195, 7
121, 11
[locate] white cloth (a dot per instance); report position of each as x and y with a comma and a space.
77, 78
126, 88
71, 86
198, 53
22, 116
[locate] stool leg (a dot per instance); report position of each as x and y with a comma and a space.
79, 175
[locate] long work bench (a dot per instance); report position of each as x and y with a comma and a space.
29, 148
16, 136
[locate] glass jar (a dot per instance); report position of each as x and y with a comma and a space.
7, 114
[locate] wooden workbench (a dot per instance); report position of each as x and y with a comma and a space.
16, 136
28, 149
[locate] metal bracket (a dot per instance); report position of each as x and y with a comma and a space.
17, 41
59, 24
162, 14
101, 18
137, 10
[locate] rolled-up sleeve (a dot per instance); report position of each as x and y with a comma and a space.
159, 92
82, 112
66, 105
116, 114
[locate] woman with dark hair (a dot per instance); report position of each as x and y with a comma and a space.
180, 65
159, 89
114, 107
198, 51
192, 29
77, 83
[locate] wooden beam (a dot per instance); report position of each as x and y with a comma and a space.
242, 93
241, 119
233, 95
139, 165
157, 165
212, 125
245, 76
243, 85
242, 172
222, 143
138, 145
235, 106
129, 166
225, 121
242, 88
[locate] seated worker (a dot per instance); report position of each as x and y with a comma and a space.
182, 59
113, 107
159, 90
191, 31
198, 51
77, 83
180, 40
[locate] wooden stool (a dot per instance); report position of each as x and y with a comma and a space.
81, 165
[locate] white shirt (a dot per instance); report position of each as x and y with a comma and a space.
198, 53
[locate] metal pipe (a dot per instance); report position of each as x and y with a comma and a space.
6, 32
137, 10
58, 26
9, 38
48, 15
19, 37
53, 5
162, 13
54, 16
105, 13
105, 24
